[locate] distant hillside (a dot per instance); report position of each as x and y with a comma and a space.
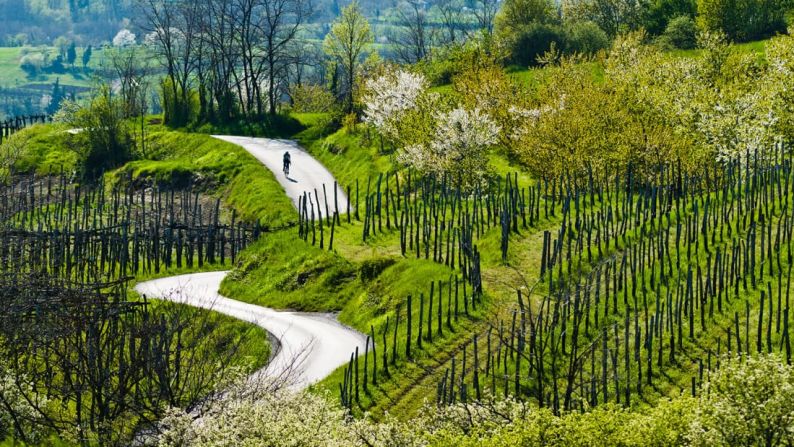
38, 22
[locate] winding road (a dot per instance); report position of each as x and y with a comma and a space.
306, 174
310, 345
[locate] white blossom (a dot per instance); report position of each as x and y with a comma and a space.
124, 38
458, 147
389, 97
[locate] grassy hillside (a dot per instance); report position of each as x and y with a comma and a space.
12, 75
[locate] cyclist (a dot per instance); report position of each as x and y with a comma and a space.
287, 162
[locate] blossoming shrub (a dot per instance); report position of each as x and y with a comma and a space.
652, 108
749, 401
431, 135
459, 147
18, 416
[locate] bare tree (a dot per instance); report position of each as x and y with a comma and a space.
451, 15
413, 39
279, 24
485, 11
220, 58
173, 27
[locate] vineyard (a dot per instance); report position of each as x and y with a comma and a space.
67, 254
640, 286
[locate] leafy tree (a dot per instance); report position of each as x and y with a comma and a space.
62, 44
534, 40
515, 14
657, 14
612, 16
105, 138
681, 33
584, 38
743, 20
347, 42
56, 97
71, 54
87, 53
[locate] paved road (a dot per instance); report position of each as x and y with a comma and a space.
306, 174
311, 345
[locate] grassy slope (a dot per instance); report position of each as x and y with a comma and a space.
11, 75
283, 271
300, 278
174, 158
178, 157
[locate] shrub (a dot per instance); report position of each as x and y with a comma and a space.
312, 98
585, 38
32, 63
658, 13
105, 141
681, 33
749, 401
534, 40
743, 21
372, 268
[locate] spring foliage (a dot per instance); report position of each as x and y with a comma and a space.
652, 108
431, 135
749, 401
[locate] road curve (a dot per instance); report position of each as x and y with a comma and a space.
312, 345
306, 174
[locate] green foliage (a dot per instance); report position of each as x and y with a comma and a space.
104, 138
179, 107
743, 20
347, 43
612, 16
584, 38
658, 13
515, 14
448, 62
533, 40
749, 401
529, 42
312, 98
680, 33
87, 54
651, 108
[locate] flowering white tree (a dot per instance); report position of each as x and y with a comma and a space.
459, 147
124, 38
388, 97
18, 415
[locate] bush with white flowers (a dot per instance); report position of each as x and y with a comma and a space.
124, 38
459, 147
389, 97
18, 415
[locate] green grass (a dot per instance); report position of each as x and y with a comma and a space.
177, 158
352, 156
11, 75
45, 148
283, 272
